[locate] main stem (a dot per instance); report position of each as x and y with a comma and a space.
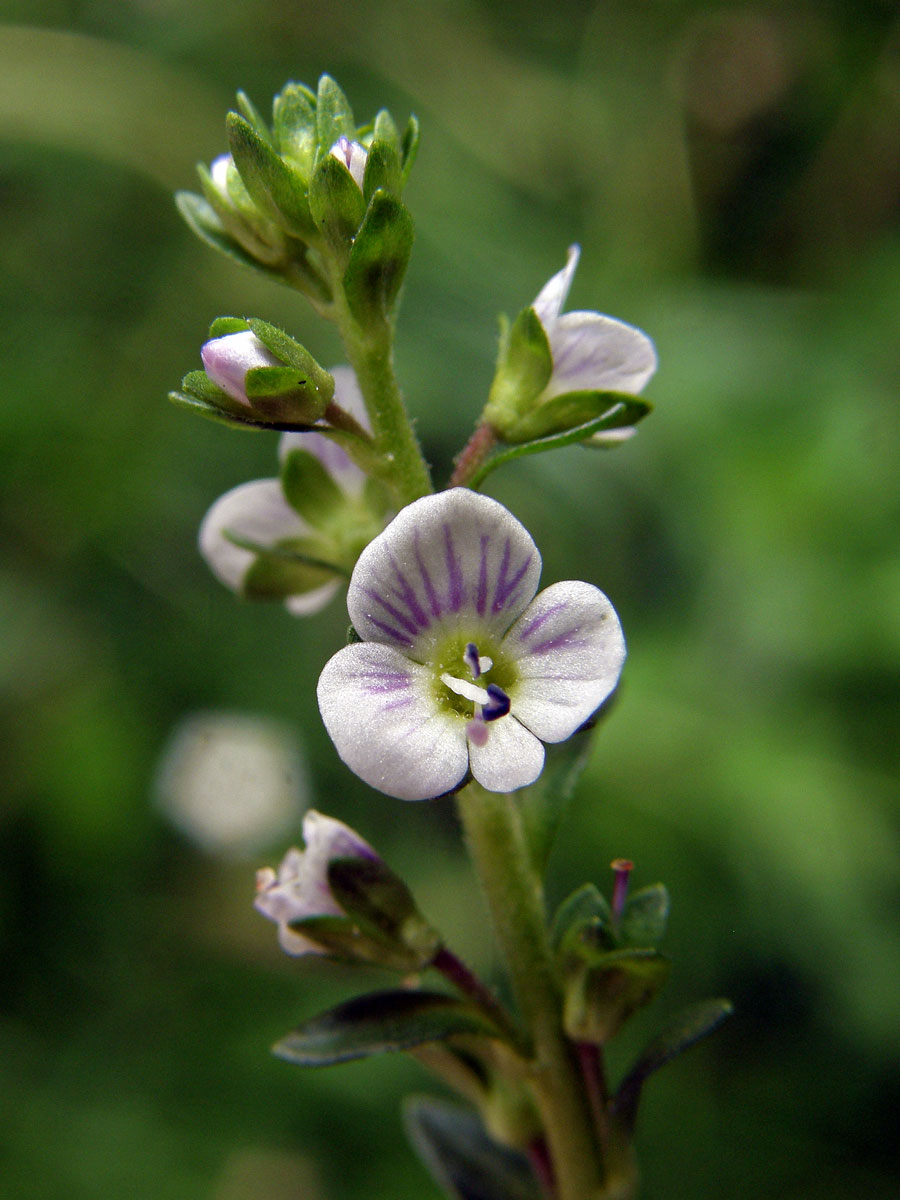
371, 354
514, 893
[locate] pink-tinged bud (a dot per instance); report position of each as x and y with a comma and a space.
353, 156
227, 360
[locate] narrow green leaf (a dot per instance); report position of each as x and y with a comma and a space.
274, 188
309, 488
544, 802
679, 1035
203, 409
334, 116
384, 129
585, 906
382, 169
336, 203
252, 116
204, 222
409, 146
645, 917
378, 259
381, 1023
462, 1158
626, 410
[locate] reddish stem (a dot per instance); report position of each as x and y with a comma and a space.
472, 455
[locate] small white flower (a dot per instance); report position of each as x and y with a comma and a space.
591, 352
258, 514
300, 888
353, 155
227, 360
461, 666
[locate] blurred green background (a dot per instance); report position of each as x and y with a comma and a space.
732, 173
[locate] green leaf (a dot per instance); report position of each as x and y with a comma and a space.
544, 802
462, 1158
409, 147
627, 410
334, 116
381, 1023
378, 260
284, 347
201, 387
336, 203
370, 892
382, 169
645, 917
203, 409
222, 326
574, 409
524, 367
585, 907
252, 116
294, 120
384, 130
274, 188
202, 219
679, 1035
609, 988
309, 488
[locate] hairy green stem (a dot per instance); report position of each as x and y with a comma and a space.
514, 893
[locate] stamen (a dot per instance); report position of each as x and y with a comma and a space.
498, 704
471, 659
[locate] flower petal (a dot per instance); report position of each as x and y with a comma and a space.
382, 714
568, 648
227, 360
304, 604
255, 511
452, 562
510, 757
593, 353
552, 296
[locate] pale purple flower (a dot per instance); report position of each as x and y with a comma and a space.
300, 887
353, 155
461, 666
591, 352
258, 514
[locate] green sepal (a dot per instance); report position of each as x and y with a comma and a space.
243, 219
284, 347
309, 488
198, 388
334, 116
679, 1035
276, 190
204, 221
202, 408
585, 909
385, 130
277, 573
627, 410
382, 169
378, 260
463, 1160
381, 1023
294, 122
284, 394
252, 115
409, 147
223, 326
646, 915
543, 804
524, 367
574, 409
609, 988
340, 939
380, 902
336, 204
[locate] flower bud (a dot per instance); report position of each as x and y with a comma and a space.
353, 155
227, 360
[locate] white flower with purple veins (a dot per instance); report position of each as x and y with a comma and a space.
258, 515
300, 888
461, 666
591, 352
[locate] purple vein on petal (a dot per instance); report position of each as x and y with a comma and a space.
404, 591
391, 609
568, 640
454, 573
434, 602
481, 598
534, 625
503, 592
376, 683
394, 634
403, 702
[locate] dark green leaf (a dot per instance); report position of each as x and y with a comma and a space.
370, 892
334, 116
274, 188
381, 1023
679, 1035
378, 259
645, 916
462, 1158
336, 203
585, 906
627, 410
409, 146
544, 803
